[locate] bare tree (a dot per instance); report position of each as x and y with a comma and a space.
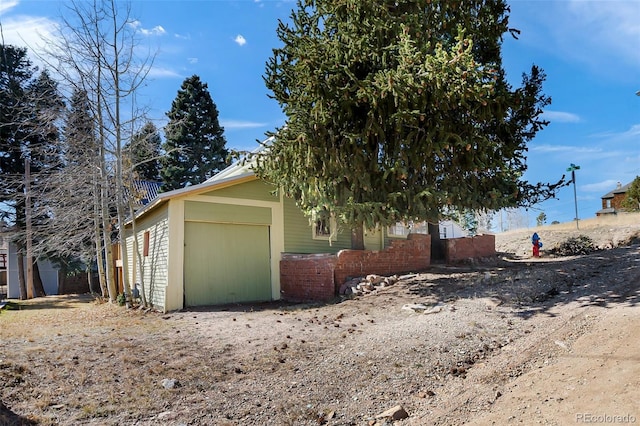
97, 52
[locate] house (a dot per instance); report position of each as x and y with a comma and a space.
234, 238
9, 281
222, 241
48, 273
612, 200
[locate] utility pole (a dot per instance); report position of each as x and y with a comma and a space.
572, 168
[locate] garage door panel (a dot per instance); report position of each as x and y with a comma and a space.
226, 263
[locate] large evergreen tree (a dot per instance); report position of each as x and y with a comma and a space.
29, 152
16, 73
195, 145
144, 153
400, 110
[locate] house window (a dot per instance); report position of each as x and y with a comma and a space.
323, 229
402, 229
145, 246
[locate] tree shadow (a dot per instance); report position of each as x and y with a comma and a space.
51, 302
9, 418
603, 278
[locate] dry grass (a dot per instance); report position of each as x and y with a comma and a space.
75, 361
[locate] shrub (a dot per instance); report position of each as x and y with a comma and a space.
574, 246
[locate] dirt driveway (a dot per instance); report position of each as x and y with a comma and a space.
552, 341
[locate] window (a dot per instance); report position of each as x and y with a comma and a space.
323, 228
145, 247
402, 229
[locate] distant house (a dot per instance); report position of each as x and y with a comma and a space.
612, 200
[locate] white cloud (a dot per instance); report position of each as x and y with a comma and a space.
240, 40
609, 25
565, 148
599, 34
161, 72
155, 31
604, 186
30, 32
239, 124
561, 117
7, 4
192, 60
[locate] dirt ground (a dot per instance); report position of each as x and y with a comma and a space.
514, 340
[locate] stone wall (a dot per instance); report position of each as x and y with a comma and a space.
459, 250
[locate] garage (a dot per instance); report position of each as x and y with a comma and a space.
226, 263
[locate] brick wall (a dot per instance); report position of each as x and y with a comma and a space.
461, 249
410, 255
318, 277
305, 277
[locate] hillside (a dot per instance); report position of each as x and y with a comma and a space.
606, 232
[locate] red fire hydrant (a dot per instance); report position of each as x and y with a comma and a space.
535, 240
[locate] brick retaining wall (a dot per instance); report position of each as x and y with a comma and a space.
463, 249
317, 277
305, 277
410, 255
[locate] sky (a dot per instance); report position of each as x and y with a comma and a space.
589, 50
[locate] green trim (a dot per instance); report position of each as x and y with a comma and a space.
196, 211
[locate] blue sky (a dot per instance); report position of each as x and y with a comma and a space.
590, 51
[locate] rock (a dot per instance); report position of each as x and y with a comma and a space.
375, 279
438, 307
365, 286
415, 307
407, 277
164, 415
170, 383
348, 286
395, 413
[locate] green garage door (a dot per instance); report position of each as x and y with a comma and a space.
226, 263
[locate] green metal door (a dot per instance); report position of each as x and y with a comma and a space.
226, 263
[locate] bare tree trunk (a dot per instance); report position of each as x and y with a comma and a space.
38, 287
21, 278
102, 278
357, 238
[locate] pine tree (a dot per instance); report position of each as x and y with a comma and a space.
16, 73
632, 197
144, 153
195, 145
398, 110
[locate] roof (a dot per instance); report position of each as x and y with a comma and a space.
240, 167
238, 172
619, 190
143, 191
